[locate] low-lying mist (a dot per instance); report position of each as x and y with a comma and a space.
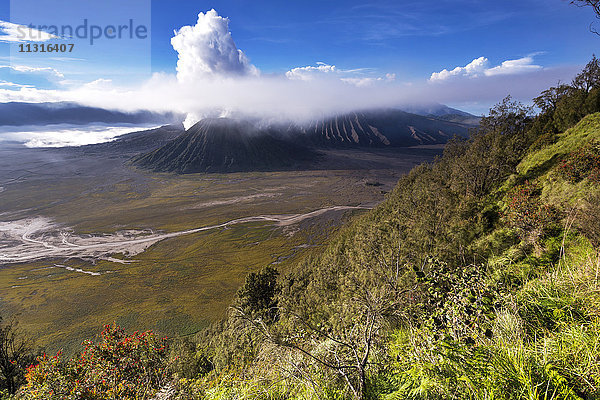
63, 135
276, 97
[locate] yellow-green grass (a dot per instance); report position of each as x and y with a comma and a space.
173, 203
178, 285
540, 167
586, 130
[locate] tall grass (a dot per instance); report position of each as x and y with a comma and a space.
545, 343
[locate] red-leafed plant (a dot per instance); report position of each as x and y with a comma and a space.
582, 163
119, 366
526, 213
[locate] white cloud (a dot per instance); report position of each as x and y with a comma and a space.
311, 72
369, 81
322, 71
361, 82
511, 67
277, 97
4, 83
99, 84
207, 54
35, 70
480, 67
474, 68
23, 76
207, 49
10, 32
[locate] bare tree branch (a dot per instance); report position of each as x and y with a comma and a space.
595, 5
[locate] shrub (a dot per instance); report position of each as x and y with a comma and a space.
51, 378
120, 366
588, 220
582, 163
458, 301
527, 214
187, 360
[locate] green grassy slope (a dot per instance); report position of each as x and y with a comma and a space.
497, 296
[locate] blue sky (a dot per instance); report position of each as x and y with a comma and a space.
500, 47
409, 38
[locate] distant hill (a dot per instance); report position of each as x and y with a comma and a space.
470, 121
138, 142
19, 114
445, 113
435, 109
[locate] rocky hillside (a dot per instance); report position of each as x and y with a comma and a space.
224, 145
382, 128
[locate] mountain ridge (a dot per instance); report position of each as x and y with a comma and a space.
22, 113
227, 145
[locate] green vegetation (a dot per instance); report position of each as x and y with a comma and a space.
16, 354
477, 278
179, 285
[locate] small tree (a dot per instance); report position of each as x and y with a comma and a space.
16, 354
548, 100
494, 150
258, 296
589, 78
336, 319
595, 4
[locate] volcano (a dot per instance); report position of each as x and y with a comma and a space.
225, 145
239, 145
